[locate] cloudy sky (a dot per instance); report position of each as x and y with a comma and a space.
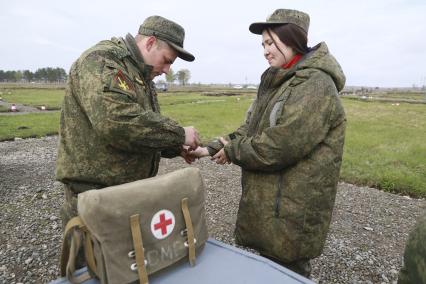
378, 42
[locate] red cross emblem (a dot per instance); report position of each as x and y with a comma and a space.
162, 224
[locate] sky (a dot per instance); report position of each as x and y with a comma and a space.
379, 43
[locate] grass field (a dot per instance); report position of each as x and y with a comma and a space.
3, 109
51, 98
28, 125
212, 116
384, 145
420, 96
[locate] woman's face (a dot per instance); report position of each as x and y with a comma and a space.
272, 53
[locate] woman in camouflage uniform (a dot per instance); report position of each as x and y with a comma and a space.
290, 146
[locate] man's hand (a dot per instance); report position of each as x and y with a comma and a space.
220, 157
191, 137
199, 152
186, 155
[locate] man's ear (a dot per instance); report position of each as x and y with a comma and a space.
150, 42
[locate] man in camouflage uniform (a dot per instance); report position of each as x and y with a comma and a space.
290, 150
414, 268
111, 129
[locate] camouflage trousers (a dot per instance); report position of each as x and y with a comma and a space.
68, 211
302, 266
69, 208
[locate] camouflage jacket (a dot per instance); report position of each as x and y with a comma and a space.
290, 151
414, 268
111, 129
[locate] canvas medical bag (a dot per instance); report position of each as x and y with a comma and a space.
132, 230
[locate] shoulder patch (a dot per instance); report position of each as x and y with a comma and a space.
121, 83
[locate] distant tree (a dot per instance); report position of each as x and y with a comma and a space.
62, 74
183, 76
170, 76
10, 76
18, 76
41, 74
51, 75
28, 75
47, 74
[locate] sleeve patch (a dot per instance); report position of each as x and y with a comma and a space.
121, 83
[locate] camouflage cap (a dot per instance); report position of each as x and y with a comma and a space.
282, 16
169, 31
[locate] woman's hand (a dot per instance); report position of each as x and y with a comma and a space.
220, 157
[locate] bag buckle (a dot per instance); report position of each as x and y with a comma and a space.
186, 243
134, 266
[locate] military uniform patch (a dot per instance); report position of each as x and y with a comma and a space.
121, 83
140, 81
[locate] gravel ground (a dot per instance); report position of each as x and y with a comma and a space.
365, 243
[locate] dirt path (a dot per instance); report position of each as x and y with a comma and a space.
21, 109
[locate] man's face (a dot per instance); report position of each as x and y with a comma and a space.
160, 56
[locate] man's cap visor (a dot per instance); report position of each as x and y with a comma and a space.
182, 53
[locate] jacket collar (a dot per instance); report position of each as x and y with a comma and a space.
136, 55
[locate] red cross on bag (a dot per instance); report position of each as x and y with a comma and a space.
162, 224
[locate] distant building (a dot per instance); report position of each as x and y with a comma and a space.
161, 87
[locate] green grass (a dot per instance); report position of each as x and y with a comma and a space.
28, 125
392, 97
407, 95
51, 98
384, 145
3, 109
212, 116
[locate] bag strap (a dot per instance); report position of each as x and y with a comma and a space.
190, 231
88, 252
69, 254
138, 246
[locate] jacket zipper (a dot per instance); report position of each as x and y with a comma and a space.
278, 196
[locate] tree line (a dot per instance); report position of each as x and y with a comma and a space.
55, 75
45, 75
182, 76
